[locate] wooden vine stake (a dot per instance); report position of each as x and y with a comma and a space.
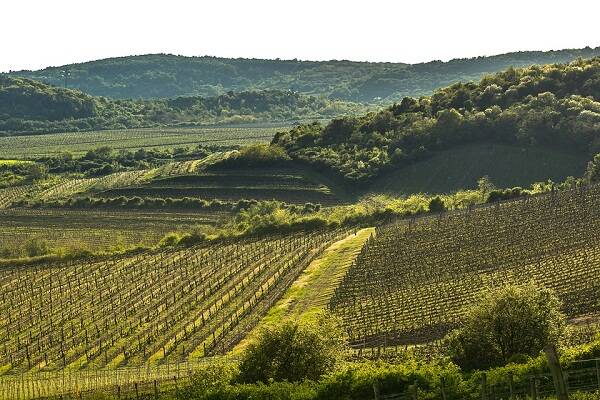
376, 395
558, 376
598, 373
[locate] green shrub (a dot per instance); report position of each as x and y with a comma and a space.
585, 396
293, 352
207, 382
356, 381
505, 194
190, 239
506, 322
437, 205
37, 247
258, 155
171, 239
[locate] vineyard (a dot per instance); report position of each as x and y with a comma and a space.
12, 194
93, 229
78, 143
411, 282
125, 382
150, 308
65, 187
188, 178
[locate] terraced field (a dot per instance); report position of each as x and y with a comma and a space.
31, 146
147, 309
292, 186
411, 282
13, 194
66, 187
96, 230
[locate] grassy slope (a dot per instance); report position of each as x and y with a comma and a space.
459, 168
310, 293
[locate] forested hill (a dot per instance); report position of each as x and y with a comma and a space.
28, 106
162, 76
555, 105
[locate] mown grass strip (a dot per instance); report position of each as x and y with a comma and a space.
310, 293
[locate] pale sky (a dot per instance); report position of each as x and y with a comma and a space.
41, 33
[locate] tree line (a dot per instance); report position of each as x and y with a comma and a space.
32, 107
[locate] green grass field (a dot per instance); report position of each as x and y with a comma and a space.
13, 162
459, 168
30, 146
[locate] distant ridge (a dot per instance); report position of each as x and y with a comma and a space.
165, 75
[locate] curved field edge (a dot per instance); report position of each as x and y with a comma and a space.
310, 293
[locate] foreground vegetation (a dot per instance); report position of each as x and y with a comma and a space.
529, 324
322, 371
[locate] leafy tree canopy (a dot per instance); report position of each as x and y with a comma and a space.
552, 105
28, 106
511, 321
293, 352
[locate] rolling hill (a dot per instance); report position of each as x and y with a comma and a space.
164, 75
552, 106
518, 126
28, 106
448, 171
398, 272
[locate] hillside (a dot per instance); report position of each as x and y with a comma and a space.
551, 106
447, 171
28, 106
161, 75
518, 127
179, 304
412, 281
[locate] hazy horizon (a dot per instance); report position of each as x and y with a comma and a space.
66, 31
298, 59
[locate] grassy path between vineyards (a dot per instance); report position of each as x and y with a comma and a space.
311, 292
